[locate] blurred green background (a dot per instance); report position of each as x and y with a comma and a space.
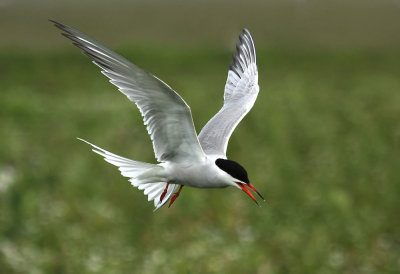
321, 143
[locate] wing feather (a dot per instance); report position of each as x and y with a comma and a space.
166, 115
241, 90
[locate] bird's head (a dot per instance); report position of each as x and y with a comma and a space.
239, 176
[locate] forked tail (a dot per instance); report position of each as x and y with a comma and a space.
148, 177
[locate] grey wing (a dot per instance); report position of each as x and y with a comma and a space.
241, 92
167, 117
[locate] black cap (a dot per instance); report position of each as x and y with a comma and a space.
233, 169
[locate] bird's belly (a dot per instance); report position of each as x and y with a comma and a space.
200, 176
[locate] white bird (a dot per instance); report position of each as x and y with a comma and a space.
184, 159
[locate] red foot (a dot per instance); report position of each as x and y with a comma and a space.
164, 192
175, 196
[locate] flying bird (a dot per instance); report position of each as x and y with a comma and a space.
184, 159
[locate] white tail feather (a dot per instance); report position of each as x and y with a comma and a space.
148, 177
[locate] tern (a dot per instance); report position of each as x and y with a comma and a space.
184, 159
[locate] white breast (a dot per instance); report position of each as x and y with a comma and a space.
202, 175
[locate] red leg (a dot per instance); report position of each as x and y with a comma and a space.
164, 192
175, 196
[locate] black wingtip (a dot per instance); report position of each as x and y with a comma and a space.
57, 24
246, 35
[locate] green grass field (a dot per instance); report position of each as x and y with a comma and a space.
321, 144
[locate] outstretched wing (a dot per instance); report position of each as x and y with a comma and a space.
144, 176
167, 117
241, 92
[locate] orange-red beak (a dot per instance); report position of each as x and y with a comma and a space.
256, 191
246, 190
